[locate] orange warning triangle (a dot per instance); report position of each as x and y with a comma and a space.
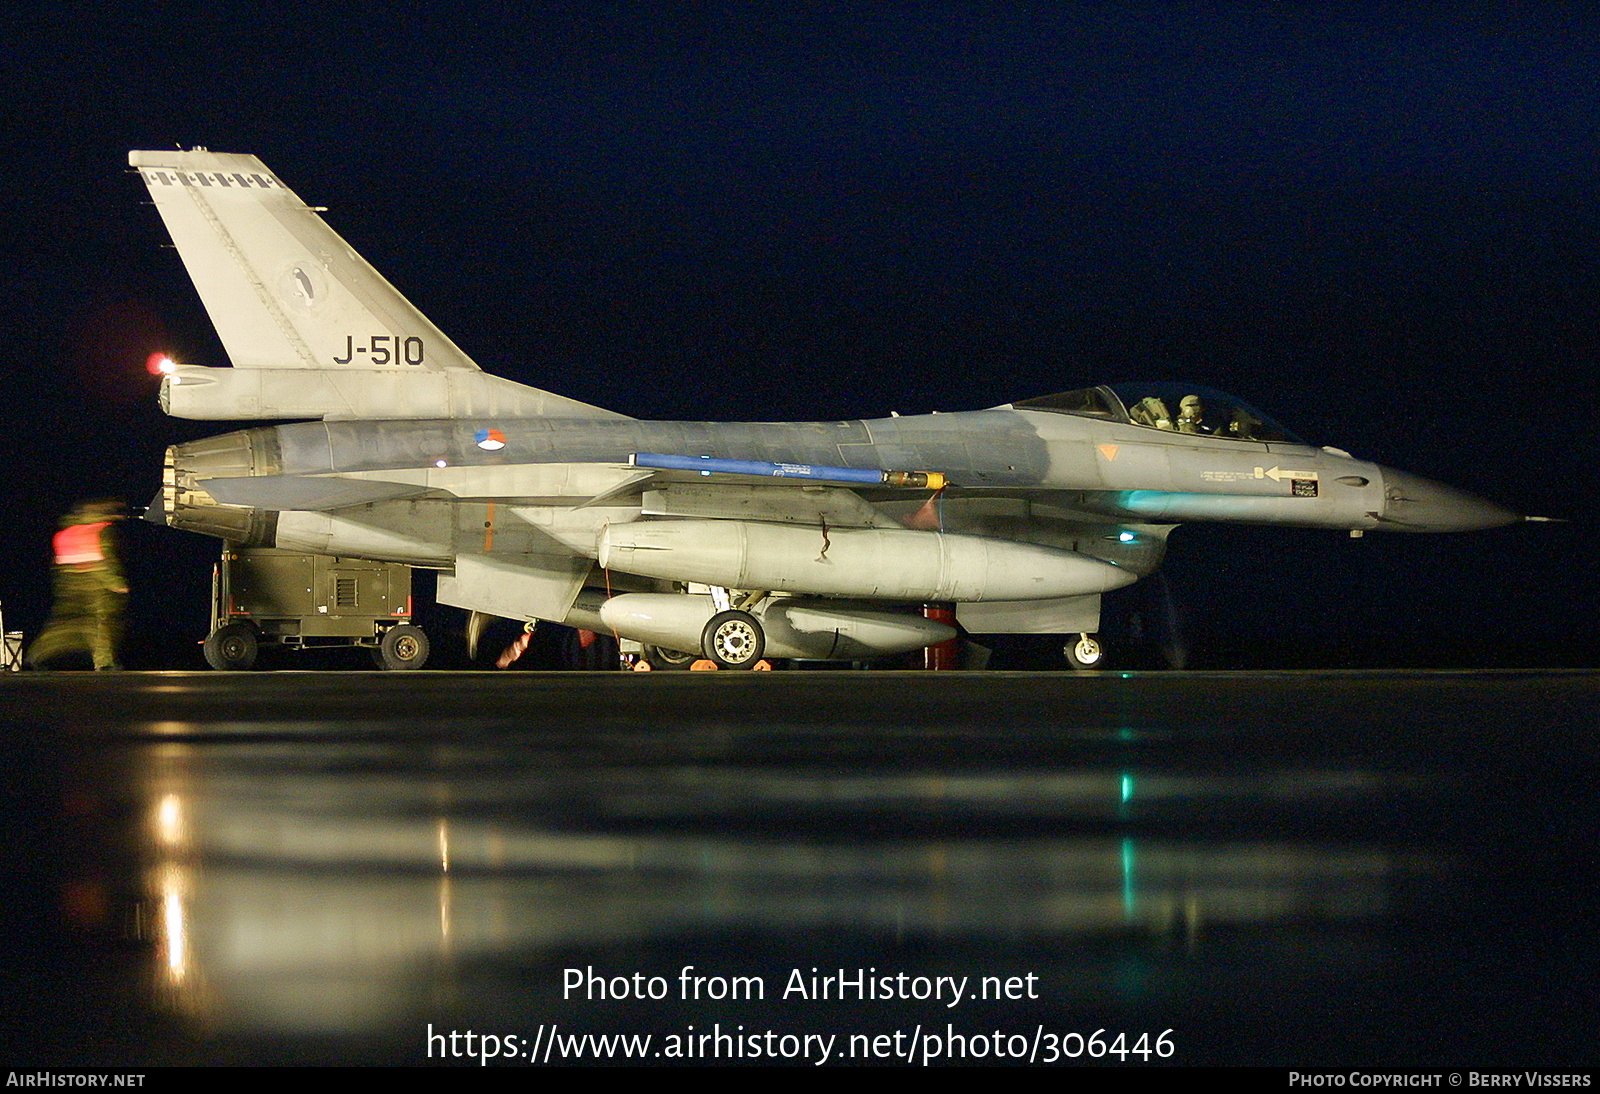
1109, 451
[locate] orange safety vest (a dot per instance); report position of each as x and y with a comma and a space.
79, 543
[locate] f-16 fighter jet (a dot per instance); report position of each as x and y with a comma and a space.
728, 541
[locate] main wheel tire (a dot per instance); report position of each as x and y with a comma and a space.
403, 647
1085, 653
734, 640
232, 647
668, 660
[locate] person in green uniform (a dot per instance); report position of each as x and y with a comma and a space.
90, 590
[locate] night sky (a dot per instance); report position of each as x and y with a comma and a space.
1376, 222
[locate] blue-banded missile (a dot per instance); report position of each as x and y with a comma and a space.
707, 465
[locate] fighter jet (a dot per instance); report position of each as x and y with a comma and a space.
731, 541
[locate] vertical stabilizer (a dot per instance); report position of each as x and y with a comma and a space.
281, 287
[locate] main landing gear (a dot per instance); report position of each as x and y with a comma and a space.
666, 660
733, 639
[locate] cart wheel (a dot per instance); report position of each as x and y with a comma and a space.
232, 648
403, 647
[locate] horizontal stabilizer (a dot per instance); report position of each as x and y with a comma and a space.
305, 494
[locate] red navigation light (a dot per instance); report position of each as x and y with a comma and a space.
160, 364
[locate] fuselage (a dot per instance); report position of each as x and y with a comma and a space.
1119, 470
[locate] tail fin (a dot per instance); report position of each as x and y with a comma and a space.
288, 296
281, 287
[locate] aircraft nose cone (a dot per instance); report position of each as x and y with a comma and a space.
1415, 504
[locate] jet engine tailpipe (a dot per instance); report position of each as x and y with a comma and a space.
187, 505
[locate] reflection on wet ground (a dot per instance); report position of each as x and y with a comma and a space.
1335, 869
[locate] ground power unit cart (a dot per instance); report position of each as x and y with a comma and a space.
263, 596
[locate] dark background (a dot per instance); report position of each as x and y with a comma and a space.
1377, 222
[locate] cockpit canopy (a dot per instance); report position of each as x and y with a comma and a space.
1177, 408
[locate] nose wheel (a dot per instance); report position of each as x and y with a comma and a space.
1085, 653
734, 640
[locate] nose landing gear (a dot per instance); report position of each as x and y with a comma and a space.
1085, 653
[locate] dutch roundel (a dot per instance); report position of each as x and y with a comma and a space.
490, 440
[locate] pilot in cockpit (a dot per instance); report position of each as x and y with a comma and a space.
1244, 424
1152, 412
1191, 415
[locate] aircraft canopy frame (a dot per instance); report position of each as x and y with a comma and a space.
1170, 407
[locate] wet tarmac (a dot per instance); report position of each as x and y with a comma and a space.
1312, 869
